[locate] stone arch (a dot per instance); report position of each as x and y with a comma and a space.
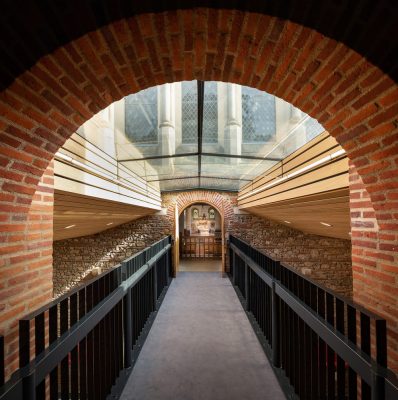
355, 100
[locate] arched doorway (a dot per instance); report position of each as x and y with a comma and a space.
201, 236
177, 202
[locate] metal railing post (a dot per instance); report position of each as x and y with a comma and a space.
155, 284
378, 385
168, 267
128, 331
123, 272
275, 328
247, 287
233, 263
172, 260
29, 387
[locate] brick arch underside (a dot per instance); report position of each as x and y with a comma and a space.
354, 100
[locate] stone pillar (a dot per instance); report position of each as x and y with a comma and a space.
233, 127
166, 122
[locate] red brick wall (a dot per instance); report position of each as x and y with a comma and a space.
351, 97
375, 260
26, 276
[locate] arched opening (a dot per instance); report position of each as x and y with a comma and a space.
201, 228
355, 100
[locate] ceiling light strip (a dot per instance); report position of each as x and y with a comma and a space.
321, 161
326, 224
70, 226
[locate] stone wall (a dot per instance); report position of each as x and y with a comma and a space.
324, 259
75, 258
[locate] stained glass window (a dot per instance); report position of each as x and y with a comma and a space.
141, 116
258, 116
189, 110
190, 113
210, 113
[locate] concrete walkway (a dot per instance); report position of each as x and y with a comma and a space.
202, 347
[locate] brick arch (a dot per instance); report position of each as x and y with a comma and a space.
185, 199
355, 101
201, 201
215, 199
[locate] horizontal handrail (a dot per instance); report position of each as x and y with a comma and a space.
358, 360
347, 300
117, 268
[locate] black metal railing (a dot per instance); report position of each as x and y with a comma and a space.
76, 346
324, 345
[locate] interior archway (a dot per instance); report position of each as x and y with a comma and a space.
201, 238
184, 200
355, 100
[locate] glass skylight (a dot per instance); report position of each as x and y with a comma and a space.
212, 135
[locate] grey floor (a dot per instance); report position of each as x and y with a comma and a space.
201, 347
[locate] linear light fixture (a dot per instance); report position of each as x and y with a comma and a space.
321, 161
326, 224
70, 226
287, 222
109, 223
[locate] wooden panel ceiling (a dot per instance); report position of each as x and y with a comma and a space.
90, 215
307, 213
306, 189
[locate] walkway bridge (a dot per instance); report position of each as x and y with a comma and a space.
265, 333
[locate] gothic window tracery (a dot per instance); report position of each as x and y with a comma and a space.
141, 116
258, 116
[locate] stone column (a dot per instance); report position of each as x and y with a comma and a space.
233, 127
166, 121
